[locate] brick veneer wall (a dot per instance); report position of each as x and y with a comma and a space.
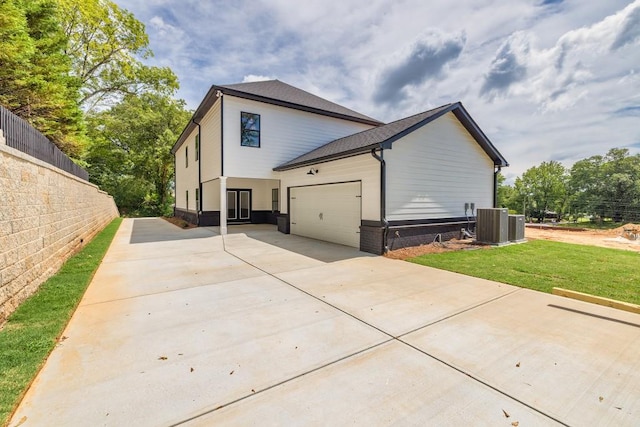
46, 215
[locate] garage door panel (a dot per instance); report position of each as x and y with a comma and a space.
327, 212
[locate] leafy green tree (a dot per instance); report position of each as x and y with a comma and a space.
586, 187
35, 80
505, 193
621, 174
130, 153
542, 189
106, 45
607, 186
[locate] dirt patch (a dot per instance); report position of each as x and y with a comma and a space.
178, 222
617, 238
435, 248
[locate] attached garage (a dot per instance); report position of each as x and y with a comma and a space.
420, 179
329, 212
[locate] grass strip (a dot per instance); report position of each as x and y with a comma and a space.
541, 265
32, 331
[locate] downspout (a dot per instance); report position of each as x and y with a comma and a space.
199, 207
495, 186
383, 197
219, 95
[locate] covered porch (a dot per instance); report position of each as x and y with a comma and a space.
227, 201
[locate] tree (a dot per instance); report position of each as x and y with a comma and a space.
542, 189
586, 187
609, 186
35, 80
130, 153
505, 193
105, 44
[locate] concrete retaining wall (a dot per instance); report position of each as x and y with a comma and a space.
46, 215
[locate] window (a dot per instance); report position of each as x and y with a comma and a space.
197, 199
274, 200
249, 129
197, 147
187, 202
186, 157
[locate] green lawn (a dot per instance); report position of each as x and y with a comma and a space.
542, 265
34, 328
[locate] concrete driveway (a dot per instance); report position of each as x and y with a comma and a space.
183, 327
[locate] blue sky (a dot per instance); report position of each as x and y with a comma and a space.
545, 79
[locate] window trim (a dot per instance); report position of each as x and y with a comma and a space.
197, 147
257, 131
186, 156
197, 199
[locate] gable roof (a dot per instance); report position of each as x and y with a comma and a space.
279, 93
273, 92
384, 136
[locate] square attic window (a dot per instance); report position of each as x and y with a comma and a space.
249, 129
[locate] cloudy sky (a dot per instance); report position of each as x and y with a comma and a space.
544, 79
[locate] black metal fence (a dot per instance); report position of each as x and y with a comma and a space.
22, 136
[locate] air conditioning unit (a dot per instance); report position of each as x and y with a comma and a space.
492, 226
516, 228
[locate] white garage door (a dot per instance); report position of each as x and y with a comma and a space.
327, 212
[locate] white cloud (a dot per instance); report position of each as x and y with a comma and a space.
552, 81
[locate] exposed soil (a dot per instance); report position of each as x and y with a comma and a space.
435, 248
617, 238
178, 222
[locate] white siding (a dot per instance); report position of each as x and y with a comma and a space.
284, 134
210, 140
211, 195
187, 177
362, 168
433, 171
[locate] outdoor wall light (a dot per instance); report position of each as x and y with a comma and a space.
312, 171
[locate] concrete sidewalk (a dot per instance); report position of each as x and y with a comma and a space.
183, 327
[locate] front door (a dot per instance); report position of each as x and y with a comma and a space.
238, 206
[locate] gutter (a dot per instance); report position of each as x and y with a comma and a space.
199, 207
383, 197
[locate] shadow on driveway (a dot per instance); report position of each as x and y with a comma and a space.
312, 248
149, 230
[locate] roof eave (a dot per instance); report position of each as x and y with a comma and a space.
386, 144
324, 159
273, 101
205, 105
472, 127
458, 110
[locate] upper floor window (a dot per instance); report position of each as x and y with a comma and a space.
186, 157
249, 129
197, 147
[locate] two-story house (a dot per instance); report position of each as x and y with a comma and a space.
267, 152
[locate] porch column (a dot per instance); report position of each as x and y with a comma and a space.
223, 205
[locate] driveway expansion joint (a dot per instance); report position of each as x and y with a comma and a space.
391, 338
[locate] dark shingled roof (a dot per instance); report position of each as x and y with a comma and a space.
384, 136
273, 92
280, 92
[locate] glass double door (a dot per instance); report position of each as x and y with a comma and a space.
239, 205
